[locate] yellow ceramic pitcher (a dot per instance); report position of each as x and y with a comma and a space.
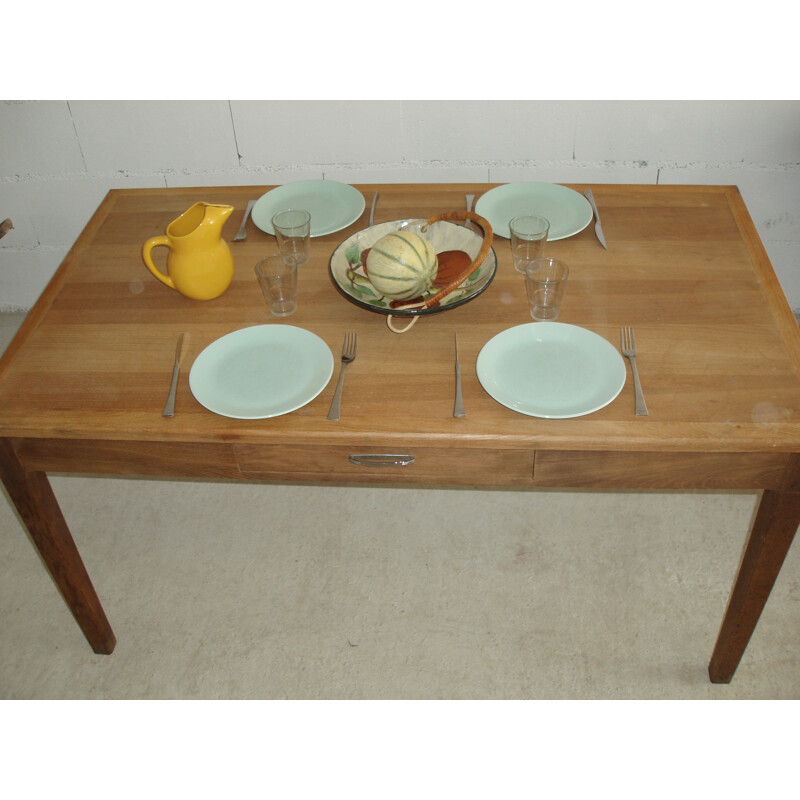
199, 264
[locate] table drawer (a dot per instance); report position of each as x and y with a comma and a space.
390, 464
625, 470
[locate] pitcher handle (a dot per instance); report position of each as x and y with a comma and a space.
157, 241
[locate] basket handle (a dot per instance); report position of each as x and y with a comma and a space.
488, 237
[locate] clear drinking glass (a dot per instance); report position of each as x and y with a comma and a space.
277, 276
546, 282
293, 232
528, 237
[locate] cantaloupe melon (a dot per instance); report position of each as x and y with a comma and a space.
401, 265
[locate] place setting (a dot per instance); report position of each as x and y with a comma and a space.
405, 268
546, 368
260, 371
266, 371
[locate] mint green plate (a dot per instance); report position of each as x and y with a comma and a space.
332, 205
567, 211
551, 370
260, 372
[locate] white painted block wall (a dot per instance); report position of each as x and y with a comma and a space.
58, 159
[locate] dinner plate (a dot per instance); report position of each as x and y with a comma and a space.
260, 372
348, 274
567, 211
551, 370
332, 205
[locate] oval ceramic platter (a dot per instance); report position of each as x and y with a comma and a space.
347, 269
567, 211
551, 370
332, 205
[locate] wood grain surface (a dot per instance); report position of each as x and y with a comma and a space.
718, 346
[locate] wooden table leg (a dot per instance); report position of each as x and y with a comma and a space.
773, 530
36, 504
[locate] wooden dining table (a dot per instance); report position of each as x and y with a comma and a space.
84, 382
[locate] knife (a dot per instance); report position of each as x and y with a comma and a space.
169, 408
468, 199
240, 234
458, 408
598, 228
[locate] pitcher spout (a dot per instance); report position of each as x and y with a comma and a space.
217, 212
208, 216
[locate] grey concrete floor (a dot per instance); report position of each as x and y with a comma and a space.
222, 590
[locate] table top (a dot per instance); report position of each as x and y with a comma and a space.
719, 349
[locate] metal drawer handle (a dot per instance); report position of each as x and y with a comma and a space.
382, 460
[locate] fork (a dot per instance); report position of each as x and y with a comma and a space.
348, 355
628, 347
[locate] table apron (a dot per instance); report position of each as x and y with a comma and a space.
635, 470
408, 465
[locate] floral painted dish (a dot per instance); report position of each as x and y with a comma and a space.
448, 240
